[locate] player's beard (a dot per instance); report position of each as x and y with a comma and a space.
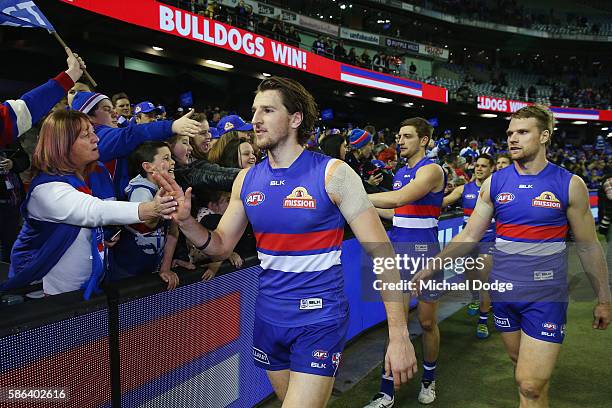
268, 143
408, 153
524, 156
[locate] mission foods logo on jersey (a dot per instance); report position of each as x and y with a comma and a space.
255, 198
504, 198
299, 198
546, 200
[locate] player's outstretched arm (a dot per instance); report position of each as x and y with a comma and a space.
475, 228
589, 249
453, 197
346, 190
219, 243
425, 178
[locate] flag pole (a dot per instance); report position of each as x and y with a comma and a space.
89, 78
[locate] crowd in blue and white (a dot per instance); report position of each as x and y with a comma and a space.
79, 231
75, 231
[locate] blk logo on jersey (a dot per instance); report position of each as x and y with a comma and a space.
277, 182
299, 198
255, 198
546, 200
311, 304
525, 185
504, 198
543, 275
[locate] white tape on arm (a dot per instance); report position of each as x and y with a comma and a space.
345, 189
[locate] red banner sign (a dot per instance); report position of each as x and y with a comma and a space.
181, 23
509, 106
499, 104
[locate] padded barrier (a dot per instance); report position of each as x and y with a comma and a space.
139, 345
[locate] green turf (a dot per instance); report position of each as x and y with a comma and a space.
475, 373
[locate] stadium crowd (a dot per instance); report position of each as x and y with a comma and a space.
92, 185
124, 144
553, 79
512, 12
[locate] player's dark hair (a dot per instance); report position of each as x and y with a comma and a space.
295, 98
422, 126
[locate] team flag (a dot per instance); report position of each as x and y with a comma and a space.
21, 13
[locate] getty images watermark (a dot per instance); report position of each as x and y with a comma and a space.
508, 271
410, 265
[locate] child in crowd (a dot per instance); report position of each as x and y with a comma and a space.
181, 149
147, 247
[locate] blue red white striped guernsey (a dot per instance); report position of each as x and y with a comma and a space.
18, 116
416, 221
299, 234
141, 248
468, 200
531, 221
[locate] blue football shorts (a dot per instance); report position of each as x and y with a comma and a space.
541, 320
312, 348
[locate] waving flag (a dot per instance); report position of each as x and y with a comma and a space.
21, 13
24, 13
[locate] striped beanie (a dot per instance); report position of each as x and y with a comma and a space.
85, 101
359, 138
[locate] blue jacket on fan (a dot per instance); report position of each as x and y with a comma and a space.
41, 244
116, 144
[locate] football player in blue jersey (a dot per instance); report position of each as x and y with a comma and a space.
535, 204
414, 205
297, 201
468, 193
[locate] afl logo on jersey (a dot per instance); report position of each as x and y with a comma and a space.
504, 198
255, 198
397, 185
546, 200
470, 196
299, 198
